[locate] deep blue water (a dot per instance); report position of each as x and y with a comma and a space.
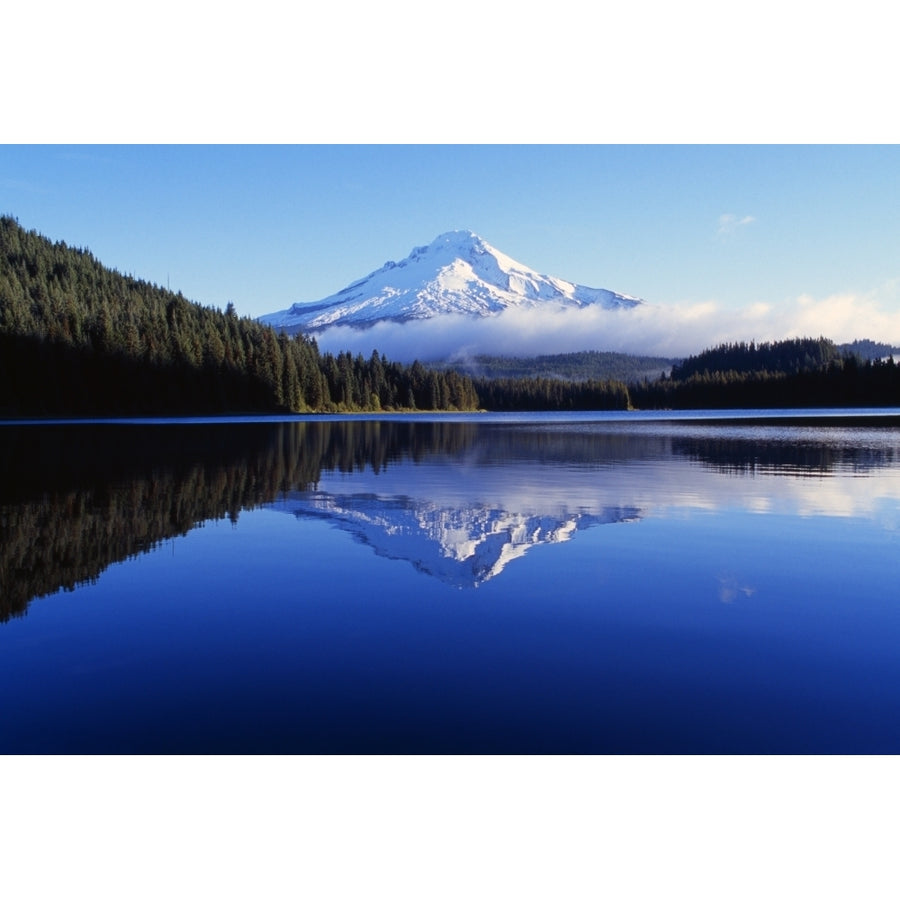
531, 584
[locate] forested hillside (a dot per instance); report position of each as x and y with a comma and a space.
867, 350
77, 338
588, 365
804, 372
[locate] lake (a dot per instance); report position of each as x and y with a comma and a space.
581, 584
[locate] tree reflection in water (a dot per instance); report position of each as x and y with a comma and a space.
75, 499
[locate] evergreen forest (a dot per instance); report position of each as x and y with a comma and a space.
586, 365
802, 372
77, 338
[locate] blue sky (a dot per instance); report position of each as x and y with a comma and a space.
752, 237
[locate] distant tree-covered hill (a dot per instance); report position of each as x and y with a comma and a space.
867, 350
588, 365
802, 354
804, 372
77, 338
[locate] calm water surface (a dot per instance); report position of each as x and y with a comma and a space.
470, 584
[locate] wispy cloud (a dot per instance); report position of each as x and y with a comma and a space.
673, 331
729, 223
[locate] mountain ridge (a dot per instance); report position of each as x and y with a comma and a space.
458, 273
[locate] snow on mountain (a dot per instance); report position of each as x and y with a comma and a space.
457, 273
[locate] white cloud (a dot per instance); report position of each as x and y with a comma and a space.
651, 330
729, 223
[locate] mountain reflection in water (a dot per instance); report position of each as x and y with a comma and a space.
462, 546
457, 499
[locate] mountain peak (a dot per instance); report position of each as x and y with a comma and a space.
458, 273
462, 244
459, 237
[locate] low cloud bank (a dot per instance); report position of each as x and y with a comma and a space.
675, 331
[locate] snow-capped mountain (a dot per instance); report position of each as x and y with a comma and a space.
457, 273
